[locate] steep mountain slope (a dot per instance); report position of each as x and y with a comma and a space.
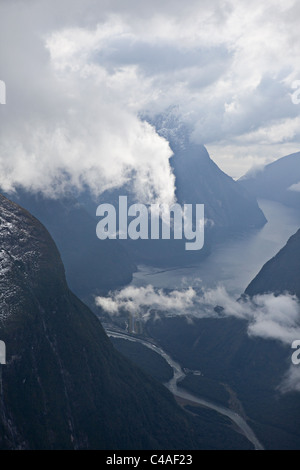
250, 369
92, 265
198, 180
64, 385
277, 181
281, 273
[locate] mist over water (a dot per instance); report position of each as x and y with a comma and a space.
233, 263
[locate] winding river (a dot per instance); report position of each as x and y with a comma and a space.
232, 264
178, 375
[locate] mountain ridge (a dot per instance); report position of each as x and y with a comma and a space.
281, 273
276, 181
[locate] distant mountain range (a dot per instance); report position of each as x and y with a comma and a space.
280, 274
64, 385
278, 181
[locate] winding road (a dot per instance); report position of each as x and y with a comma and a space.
178, 375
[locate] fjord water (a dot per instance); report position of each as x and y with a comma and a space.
233, 263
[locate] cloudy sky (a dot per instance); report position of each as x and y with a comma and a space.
80, 73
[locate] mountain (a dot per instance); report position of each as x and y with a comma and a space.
198, 179
229, 208
92, 265
96, 266
237, 370
64, 385
281, 273
278, 181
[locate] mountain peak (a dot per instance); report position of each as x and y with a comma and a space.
26, 248
64, 386
278, 181
280, 274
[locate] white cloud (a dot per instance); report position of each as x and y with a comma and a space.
291, 381
273, 133
81, 130
295, 187
140, 301
270, 317
79, 73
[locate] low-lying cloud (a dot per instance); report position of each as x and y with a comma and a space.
270, 317
295, 187
141, 301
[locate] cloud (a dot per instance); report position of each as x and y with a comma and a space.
141, 301
74, 127
274, 133
291, 380
269, 317
80, 73
295, 187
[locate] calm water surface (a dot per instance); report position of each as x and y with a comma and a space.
233, 263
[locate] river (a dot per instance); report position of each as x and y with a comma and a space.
233, 264
178, 375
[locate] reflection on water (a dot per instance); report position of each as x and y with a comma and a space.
233, 263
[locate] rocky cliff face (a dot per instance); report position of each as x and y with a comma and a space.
228, 205
281, 273
92, 265
64, 385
